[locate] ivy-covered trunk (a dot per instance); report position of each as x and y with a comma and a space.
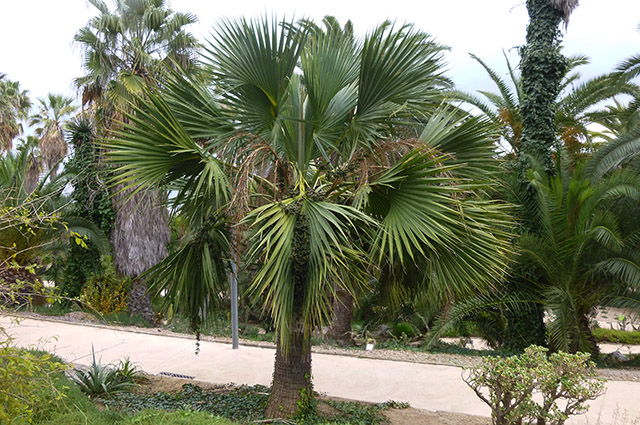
542, 66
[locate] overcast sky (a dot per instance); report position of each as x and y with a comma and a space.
36, 35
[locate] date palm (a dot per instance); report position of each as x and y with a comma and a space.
582, 249
294, 154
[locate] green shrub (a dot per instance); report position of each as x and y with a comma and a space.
616, 336
25, 383
82, 263
404, 328
507, 385
106, 293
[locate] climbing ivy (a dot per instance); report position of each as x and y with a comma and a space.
91, 201
90, 192
542, 66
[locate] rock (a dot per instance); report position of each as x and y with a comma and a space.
382, 332
618, 356
79, 316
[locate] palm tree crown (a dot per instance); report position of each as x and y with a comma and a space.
14, 107
124, 47
51, 112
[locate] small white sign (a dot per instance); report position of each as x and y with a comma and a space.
369, 347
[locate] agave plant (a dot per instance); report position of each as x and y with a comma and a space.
102, 379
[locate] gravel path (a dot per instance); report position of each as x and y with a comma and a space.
444, 359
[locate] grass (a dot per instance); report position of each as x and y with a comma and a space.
616, 336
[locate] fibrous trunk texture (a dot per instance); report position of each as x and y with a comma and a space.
140, 238
291, 388
291, 375
585, 341
340, 329
16, 285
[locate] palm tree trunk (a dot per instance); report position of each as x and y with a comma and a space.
140, 238
589, 343
340, 329
291, 389
291, 375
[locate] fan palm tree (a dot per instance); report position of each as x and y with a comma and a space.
49, 120
124, 49
294, 153
14, 107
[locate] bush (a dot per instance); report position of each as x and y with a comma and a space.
616, 336
106, 293
507, 385
82, 263
404, 328
25, 383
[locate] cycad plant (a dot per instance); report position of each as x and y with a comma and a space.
294, 154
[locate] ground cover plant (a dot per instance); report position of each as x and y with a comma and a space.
246, 404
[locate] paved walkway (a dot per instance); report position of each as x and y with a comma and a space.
429, 387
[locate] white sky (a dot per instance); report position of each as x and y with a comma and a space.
36, 35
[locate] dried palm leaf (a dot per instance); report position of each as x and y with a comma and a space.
566, 8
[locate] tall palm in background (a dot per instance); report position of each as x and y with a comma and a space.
578, 106
49, 119
125, 49
294, 152
14, 107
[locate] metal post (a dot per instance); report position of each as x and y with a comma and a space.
234, 305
